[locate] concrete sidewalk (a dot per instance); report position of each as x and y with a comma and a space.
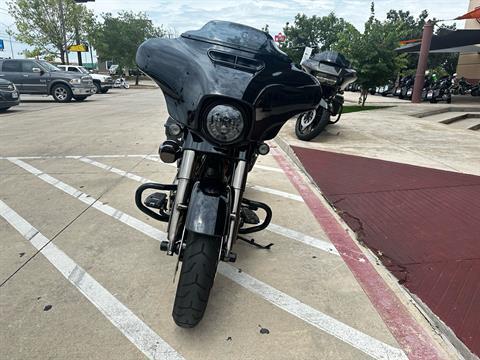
398, 134
422, 223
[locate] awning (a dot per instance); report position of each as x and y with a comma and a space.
474, 14
464, 41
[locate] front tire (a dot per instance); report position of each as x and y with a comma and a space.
62, 93
200, 260
98, 87
307, 130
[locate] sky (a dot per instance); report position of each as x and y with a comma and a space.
181, 15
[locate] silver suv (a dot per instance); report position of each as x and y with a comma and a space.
42, 78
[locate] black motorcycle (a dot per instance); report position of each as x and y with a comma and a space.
406, 91
386, 89
228, 89
334, 74
475, 90
440, 91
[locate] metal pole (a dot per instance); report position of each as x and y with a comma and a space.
77, 39
422, 62
11, 45
64, 33
91, 54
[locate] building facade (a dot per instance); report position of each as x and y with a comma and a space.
469, 63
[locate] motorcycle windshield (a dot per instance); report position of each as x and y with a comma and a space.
228, 60
233, 35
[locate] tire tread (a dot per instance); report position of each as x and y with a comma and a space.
196, 279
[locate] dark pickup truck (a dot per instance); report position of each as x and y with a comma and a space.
40, 77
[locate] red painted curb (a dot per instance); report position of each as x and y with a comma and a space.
410, 335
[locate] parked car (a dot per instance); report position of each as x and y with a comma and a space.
102, 83
42, 78
8, 95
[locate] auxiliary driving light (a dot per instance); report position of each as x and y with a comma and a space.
169, 151
263, 149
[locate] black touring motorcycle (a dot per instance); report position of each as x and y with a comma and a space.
333, 72
228, 89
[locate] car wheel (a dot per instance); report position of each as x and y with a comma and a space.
80, 98
62, 93
104, 91
98, 88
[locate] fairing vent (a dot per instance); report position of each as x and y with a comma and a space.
236, 62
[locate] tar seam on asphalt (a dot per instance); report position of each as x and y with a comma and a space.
115, 184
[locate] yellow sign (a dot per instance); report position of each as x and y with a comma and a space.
78, 48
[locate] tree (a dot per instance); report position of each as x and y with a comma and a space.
372, 53
408, 27
118, 37
316, 32
38, 53
38, 24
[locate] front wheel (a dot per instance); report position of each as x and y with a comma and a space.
62, 93
200, 259
98, 87
311, 124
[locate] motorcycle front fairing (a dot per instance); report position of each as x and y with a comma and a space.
229, 61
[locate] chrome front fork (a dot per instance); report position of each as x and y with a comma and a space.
179, 206
183, 178
238, 187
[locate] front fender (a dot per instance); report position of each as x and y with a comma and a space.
207, 211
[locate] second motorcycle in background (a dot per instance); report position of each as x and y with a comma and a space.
334, 74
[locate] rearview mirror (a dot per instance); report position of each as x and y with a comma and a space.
37, 70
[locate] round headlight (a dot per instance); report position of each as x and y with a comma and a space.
224, 123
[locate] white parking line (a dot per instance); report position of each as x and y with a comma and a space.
133, 176
87, 199
363, 342
41, 157
345, 333
276, 192
268, 168
115, 170
292, 234
118, 156
144, 338
306, 239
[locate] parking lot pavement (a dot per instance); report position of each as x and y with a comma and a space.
81, 271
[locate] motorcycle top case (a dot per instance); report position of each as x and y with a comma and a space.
330, 67
225, 61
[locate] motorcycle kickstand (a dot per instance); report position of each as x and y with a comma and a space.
257, 245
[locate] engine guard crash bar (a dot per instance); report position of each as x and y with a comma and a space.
161, 216
255, 205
